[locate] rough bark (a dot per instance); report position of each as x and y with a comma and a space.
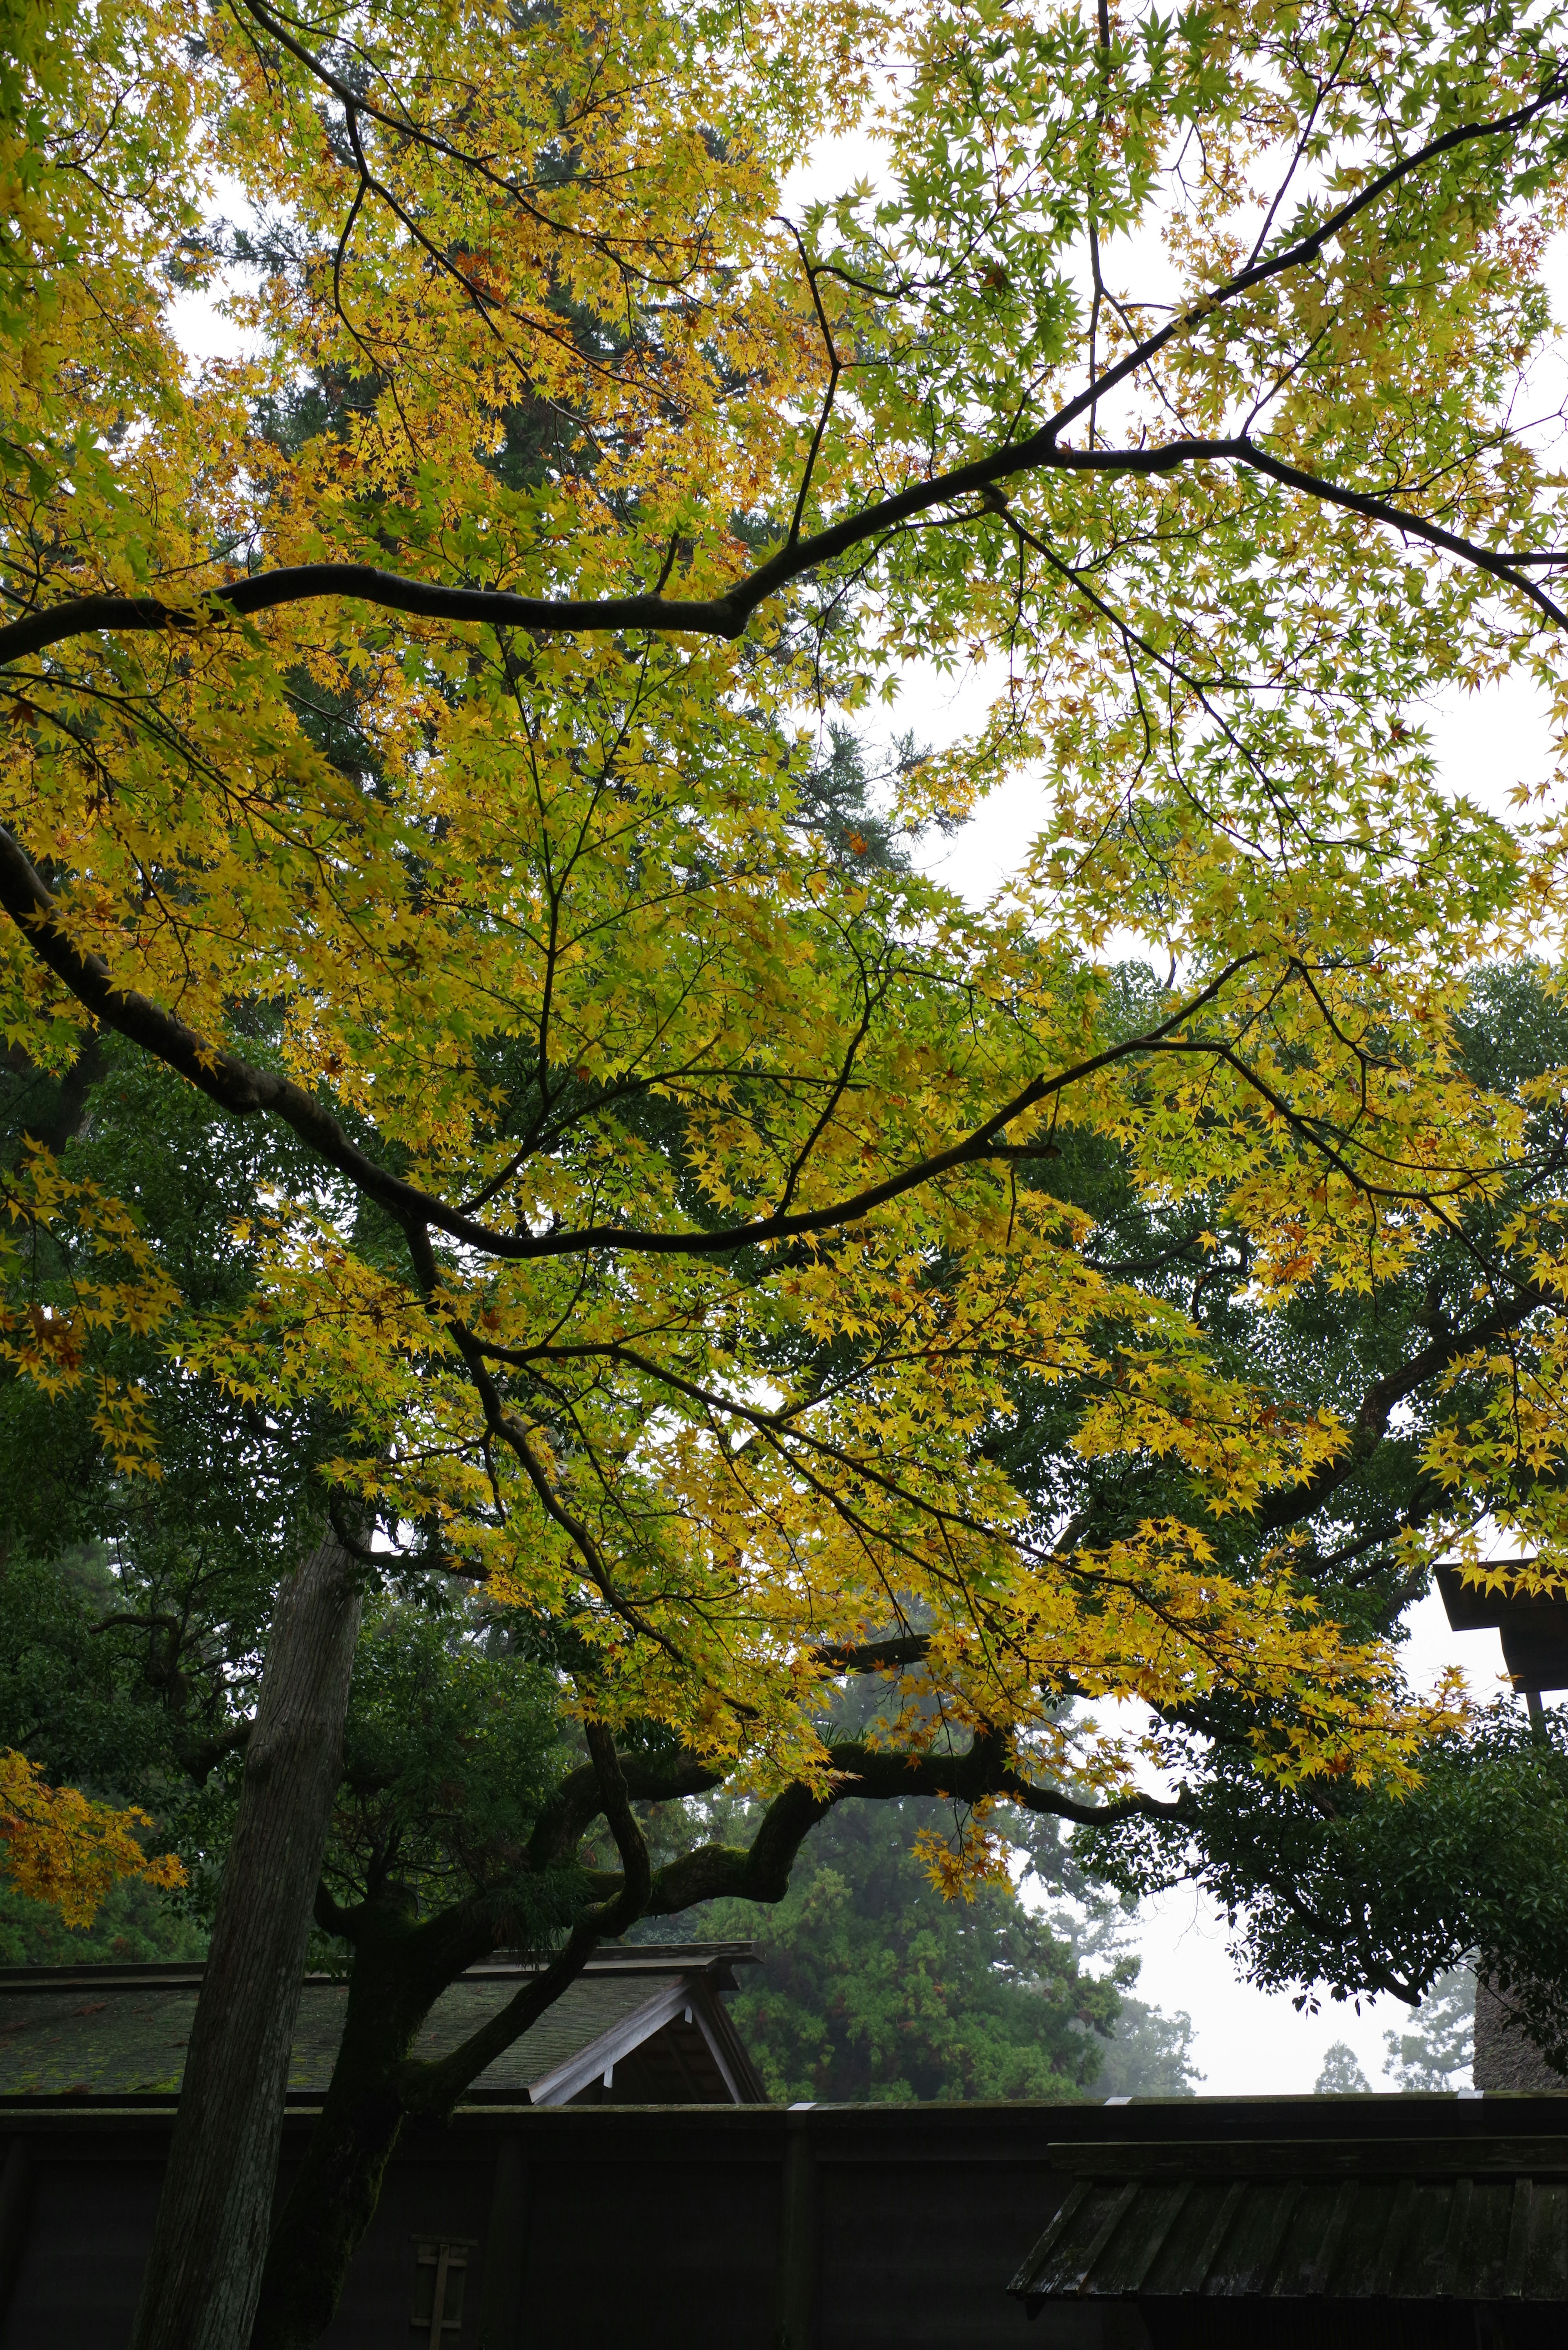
401, 1969
374, 2088
205, 2268
1506, 2057
333, 2197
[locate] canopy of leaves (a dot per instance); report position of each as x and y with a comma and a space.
421, 744
453, 1750
134, 1674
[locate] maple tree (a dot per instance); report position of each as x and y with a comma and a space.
430, 783
61, 1848
614, 1052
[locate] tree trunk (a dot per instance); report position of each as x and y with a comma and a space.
333, 2197
333, 2203
401, 1969
376, 2085
205, 2268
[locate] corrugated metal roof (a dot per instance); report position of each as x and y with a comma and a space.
1482, 2221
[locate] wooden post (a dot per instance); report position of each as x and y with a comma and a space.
795, 2322
506, 2251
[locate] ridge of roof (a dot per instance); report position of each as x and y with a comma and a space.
178, 1974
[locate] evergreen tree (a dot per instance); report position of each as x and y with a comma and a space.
1149, 2054
137, 1924
1340, 2074
1437, 2048
873, 1987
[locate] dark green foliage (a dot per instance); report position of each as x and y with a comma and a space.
454, 1748
62, 1700
874, 1987
133, 1609
136, 1923
220, 1519
1368, 1890
69, 1701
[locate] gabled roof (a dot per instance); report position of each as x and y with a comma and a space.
640, 2026
1419, 2220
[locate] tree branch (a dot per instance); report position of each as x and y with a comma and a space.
762, 1871
1379, 1403
580, 1800
726, 614
874, 1656
433, 2087
238, 1086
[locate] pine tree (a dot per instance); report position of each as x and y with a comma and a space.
1340, 2074
1437, 2048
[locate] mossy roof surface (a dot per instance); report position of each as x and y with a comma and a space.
113, 2039
53, 2042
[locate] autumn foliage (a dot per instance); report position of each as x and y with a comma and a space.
63, 1849
410, 724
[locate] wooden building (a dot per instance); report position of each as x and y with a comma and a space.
548, 2215
645, 2026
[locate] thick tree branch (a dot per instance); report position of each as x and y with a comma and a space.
877, 1775
761, 1872
386, 590
433, 2088
727, 615
238, 1086
1378, 1405
580, 1800
875, 1655
437, 1951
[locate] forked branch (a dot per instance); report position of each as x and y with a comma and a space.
728, 614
